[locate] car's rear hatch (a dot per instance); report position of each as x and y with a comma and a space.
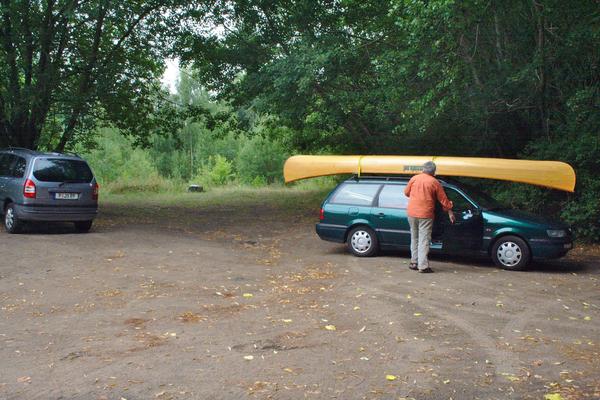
63, 182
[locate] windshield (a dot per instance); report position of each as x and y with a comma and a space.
483, 199
62, 170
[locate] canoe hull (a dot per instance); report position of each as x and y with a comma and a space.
551, 174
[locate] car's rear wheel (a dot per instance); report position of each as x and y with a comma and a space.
362, 242
12, 224
83, 226
511, 253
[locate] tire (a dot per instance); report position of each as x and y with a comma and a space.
11, 223
83, 226
362, 242
511, 253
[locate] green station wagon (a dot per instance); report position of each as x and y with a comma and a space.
369, 214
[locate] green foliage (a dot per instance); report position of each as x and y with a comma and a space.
69, 66
260, 158
120, 167
217, 171
501, 79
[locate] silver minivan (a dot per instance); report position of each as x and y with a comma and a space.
37, 186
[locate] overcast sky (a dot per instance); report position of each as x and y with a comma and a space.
171, 75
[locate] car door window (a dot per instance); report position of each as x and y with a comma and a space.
392, 196
4, 164
460, 202
18, 167
356, 194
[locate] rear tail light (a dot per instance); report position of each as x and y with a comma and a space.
29, 189
95, 191
322, 215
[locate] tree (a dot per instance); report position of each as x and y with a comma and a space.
66, 65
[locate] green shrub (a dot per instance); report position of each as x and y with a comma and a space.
217, 171
260, 157
259, 181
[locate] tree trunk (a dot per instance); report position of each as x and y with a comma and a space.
85, 81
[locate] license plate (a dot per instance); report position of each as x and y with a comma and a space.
568, 245
66, 196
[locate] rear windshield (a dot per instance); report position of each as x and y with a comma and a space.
62, 170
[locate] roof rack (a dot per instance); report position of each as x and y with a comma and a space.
20, 148
386, 177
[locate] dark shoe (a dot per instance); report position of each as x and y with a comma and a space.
426, 270
413, 266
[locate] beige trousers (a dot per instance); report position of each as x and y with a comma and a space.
420, 238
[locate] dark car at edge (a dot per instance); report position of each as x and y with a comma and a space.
36, 186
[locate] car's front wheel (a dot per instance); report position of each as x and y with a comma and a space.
12, 224
511, 253
362, 242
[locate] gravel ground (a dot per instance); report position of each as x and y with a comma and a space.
162, 302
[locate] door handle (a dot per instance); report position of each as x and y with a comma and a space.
381, 214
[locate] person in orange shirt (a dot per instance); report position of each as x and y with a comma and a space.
423, 190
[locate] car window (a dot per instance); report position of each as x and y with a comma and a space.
356, 194
459, 201
17, 168
392, 196
62, 170
483, 199
4, 165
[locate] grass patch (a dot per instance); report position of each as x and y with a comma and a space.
305, 196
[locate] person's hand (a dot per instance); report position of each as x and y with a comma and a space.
451, 216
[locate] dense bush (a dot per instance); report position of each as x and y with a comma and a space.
260, 160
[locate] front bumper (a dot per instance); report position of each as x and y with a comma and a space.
55, 214
550, 248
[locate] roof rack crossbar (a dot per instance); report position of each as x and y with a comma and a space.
19, 148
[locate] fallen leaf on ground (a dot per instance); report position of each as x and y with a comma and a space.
247, 295
248, 358
330, 327
553, 396
390, 377
417, 314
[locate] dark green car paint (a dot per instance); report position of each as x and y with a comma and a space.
475, 232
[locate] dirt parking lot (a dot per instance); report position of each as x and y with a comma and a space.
236, 302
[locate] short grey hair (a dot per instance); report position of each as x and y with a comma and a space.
429, 168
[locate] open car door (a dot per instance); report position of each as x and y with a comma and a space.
466, 234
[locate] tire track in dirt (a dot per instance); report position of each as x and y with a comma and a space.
503, 361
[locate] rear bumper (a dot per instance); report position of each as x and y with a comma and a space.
331, 232
550, 248
57, 214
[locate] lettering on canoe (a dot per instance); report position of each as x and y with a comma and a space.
413, 168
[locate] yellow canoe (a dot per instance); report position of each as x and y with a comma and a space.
551, 174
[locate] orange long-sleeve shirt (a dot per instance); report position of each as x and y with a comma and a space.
423, 190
